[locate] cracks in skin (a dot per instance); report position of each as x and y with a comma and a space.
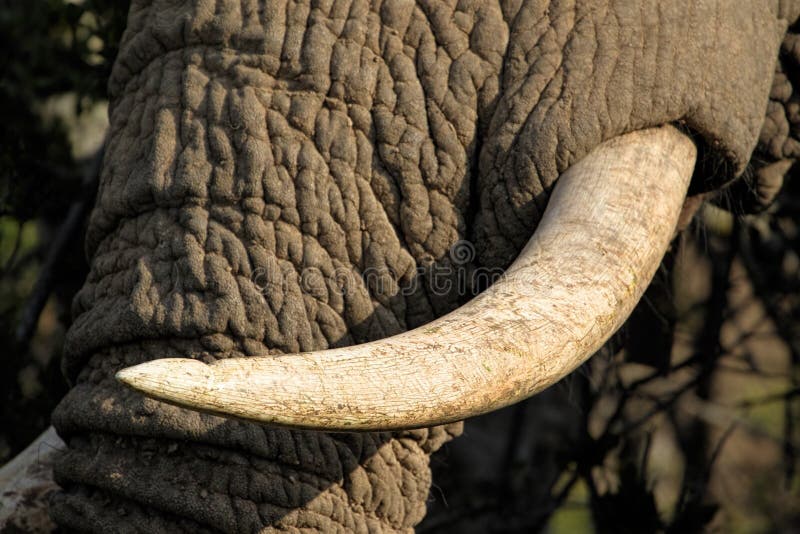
286, 140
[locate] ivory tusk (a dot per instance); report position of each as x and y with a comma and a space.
608, 223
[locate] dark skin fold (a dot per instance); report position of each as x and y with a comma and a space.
264, 156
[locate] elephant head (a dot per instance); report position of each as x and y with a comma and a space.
295, 177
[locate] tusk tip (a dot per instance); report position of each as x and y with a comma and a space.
159, 377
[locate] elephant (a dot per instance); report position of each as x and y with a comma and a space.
296, 177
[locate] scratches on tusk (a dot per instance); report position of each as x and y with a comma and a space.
608, 223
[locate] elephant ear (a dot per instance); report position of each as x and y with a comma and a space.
607, 226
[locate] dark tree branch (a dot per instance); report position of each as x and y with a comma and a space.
47, 276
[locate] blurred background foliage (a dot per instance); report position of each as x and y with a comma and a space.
53, 72
687, 422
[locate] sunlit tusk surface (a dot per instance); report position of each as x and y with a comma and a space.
607, 226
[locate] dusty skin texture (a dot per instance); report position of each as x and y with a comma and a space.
779, 143
264, 157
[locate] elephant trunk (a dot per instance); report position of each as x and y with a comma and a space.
233, 191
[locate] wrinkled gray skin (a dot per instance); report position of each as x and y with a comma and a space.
264, 156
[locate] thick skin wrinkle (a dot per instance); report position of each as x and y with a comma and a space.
288, 176
779, 142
